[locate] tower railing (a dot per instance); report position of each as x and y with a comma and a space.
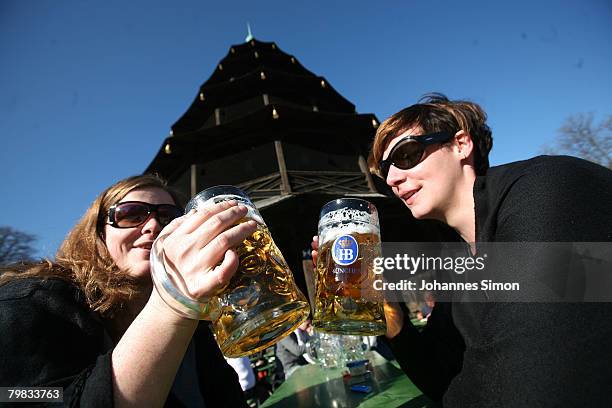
336, 182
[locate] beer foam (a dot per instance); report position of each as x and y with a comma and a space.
346, 215
345, 221
333, 231
252, 213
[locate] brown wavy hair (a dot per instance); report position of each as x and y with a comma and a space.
83, 257
436, 113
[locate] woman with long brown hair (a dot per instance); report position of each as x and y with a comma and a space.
90, 321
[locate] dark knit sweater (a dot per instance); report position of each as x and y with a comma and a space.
523, 354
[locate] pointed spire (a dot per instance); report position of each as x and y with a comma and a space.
249, 36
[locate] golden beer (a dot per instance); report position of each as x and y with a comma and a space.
259, 305
244, 322
349, 240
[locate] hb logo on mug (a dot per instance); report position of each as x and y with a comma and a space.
345, 250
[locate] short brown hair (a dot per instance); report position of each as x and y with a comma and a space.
83, 258
436, 113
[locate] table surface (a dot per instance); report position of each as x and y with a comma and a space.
315, 386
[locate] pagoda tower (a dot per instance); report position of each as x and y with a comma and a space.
266, 124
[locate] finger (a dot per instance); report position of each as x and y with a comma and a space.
216, 280
231, 238
228, 268
315, 246
202, 214
394, 318
175, 223
315, 242
218, 223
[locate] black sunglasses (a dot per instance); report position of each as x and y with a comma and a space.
409, 151
130, 214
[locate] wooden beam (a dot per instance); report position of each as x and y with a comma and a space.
363, 165
194, 179
280, 156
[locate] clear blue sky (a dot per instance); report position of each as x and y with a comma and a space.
89, 89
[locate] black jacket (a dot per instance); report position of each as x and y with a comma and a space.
49, 337
523, 354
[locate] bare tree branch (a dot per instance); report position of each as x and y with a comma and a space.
15, 245
580, 137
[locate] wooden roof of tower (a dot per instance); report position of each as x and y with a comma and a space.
256, 92
285, 136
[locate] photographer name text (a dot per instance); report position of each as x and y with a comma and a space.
405, 284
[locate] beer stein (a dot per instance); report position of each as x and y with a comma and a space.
260, 304
349, 240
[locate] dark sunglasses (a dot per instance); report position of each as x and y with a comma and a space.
130, 214
409, 151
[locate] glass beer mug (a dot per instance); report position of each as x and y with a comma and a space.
260, 304
349, 240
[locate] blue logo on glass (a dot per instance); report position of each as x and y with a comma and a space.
345, 250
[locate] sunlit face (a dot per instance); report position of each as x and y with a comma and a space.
130, 247
429, 188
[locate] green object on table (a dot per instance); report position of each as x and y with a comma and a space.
419, 324
314, 386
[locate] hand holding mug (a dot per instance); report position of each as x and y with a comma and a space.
199, 247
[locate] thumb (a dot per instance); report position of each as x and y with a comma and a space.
215, 280
228, 267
